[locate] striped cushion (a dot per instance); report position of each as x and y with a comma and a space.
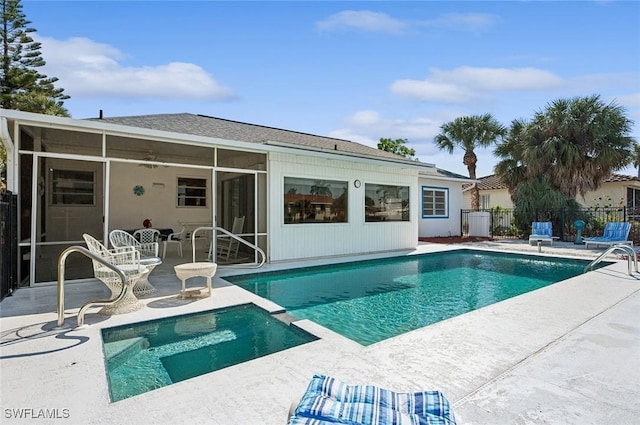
328, 400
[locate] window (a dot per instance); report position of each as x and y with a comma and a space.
435, 202
485, 202
386, 203
315, 201
71, 187
633, 198
192, 192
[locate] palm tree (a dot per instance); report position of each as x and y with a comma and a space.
576, 143
469, 133
511, 151
636, 157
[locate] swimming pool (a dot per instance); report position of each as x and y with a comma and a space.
369, 301
144, 356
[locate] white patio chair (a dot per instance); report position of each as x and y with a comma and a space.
148, 257
147, 235
226, 245
128, 261
173, 238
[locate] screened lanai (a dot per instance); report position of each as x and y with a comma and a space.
75, 180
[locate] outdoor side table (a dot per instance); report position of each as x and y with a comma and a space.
198, 269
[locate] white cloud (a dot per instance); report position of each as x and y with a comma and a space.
462, 21
466, 84
363, 20
369, 124
364, 118
86, 68
368, 127
354, 136
428, 90
632, 100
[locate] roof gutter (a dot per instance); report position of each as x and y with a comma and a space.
473, 185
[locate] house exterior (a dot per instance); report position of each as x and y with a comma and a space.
302, 196
616, 190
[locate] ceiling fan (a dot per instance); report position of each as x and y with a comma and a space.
149, 157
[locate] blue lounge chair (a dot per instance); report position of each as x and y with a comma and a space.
615, 232
541, 231
329, 401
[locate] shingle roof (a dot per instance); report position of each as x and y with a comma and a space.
201, 125
446, 173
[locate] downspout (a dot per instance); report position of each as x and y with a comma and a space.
10, 148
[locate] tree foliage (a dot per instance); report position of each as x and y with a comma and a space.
469, 133
537, 199
636, 157
575, 143
23, 87
397, 146
567, 149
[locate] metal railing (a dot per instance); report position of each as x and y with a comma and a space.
631, 253
61, 268
506, 223
236, 237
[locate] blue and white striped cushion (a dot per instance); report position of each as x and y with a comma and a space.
328, 400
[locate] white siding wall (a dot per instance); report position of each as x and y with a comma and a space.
299, 241
434, 227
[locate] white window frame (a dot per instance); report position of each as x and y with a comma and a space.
485, 201
184, 196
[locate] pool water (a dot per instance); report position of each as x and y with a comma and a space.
369, 301
145, 356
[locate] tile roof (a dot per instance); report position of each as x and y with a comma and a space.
202, 125
621, 178
493, 182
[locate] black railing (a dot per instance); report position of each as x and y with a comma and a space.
503, 223
8, 243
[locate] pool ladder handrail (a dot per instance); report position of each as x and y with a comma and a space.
61, 268
234, 236
631, 253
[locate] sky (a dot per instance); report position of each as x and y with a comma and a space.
359, 70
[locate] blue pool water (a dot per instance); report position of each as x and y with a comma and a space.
370, 301
144, 356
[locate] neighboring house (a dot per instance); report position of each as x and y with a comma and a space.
493, 193
302, 196
616, 190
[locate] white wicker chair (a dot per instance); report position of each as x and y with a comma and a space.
128, 261
148, 257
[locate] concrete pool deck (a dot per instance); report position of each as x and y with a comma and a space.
565, 354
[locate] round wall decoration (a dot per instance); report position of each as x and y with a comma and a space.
138, 190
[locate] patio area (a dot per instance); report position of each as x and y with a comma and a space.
568, 353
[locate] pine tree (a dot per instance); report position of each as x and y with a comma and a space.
23, 87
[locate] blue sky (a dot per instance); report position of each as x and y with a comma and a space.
357, 70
